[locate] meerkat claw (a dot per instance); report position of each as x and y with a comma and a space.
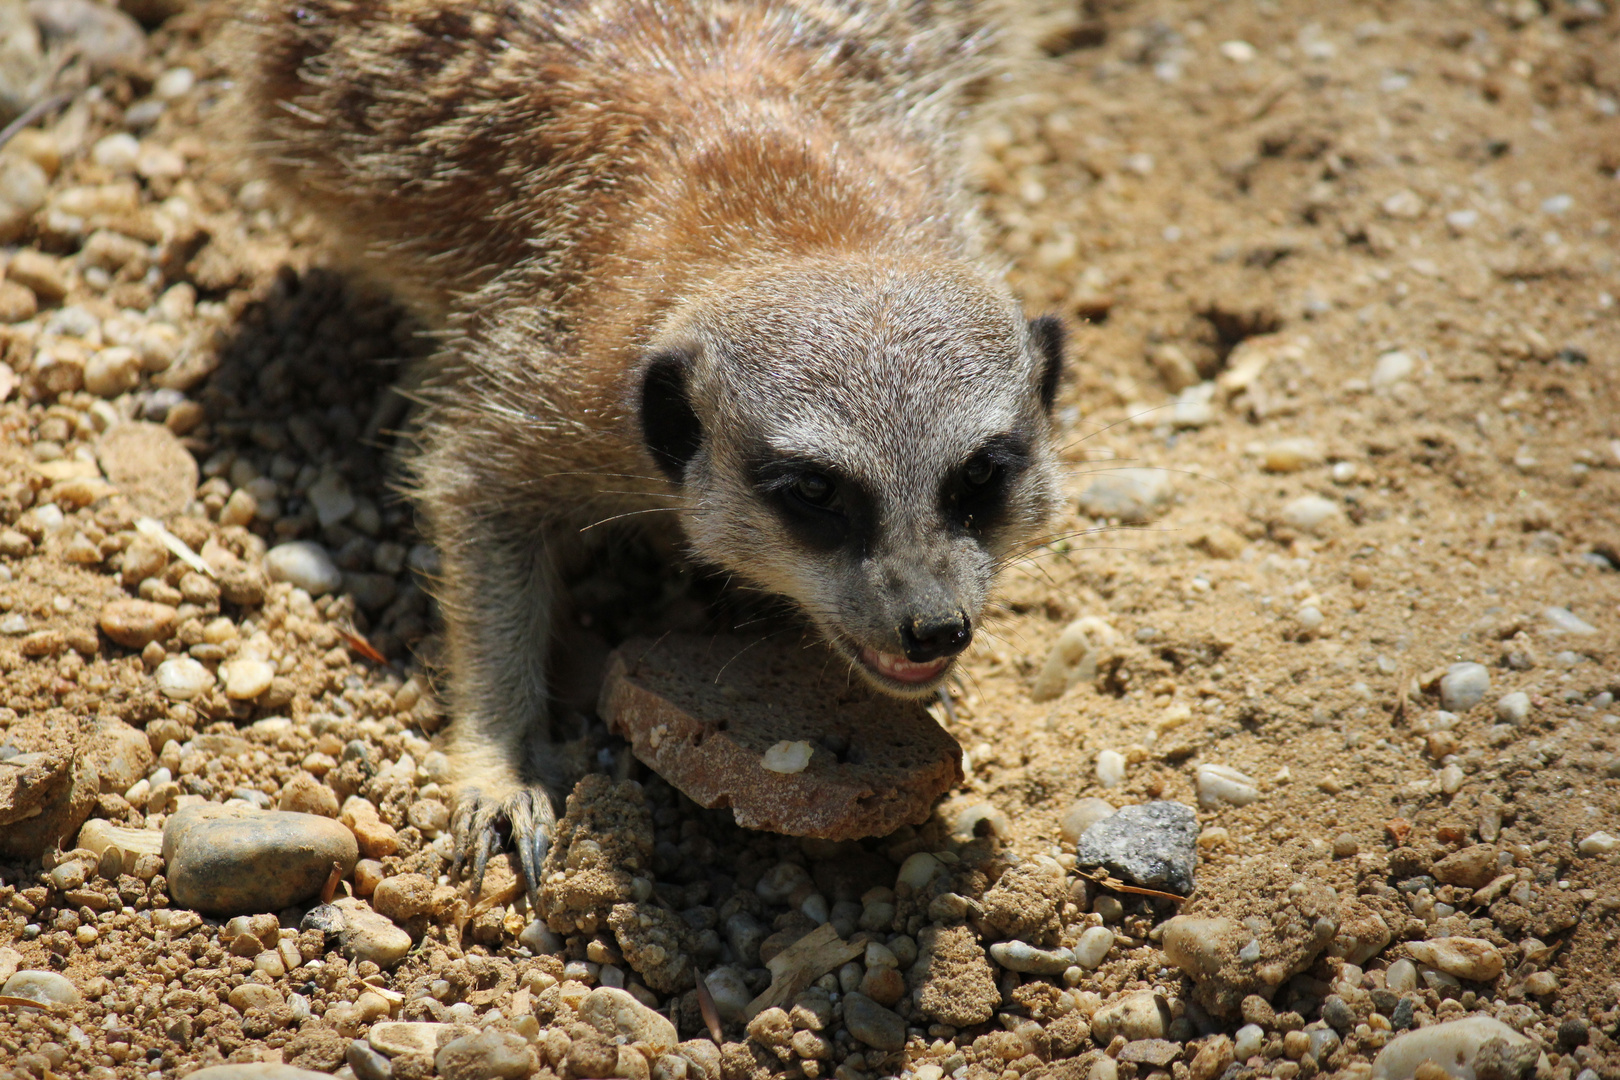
482, 826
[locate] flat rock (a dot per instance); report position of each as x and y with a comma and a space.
400, 1037
703, 712
149, 466
1131, 495
491, 1055
1453, 1046
45, 987
1154, 845
872, 1024
233, 860
257, 1070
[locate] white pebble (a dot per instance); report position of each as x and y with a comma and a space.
174, 83
1110, 768
247, 677
1310, 513
331, 498
1513, 708
967, 822
305, 564
1344, 472
1599, 843
918, 870
1309, 617
1250, 1040
117, 152
182, 678
1219, 784
1391, 368
1463, 686
1401, 976
788, 757
1569, 622
1093, 946
1238, 51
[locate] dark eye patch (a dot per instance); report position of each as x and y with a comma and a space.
824, 508
974, 495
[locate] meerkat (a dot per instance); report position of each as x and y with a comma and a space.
710, 258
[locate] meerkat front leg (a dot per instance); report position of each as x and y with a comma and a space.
498, 594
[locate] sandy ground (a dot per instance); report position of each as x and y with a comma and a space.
1344, 411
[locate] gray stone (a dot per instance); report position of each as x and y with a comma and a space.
1463, 686
367, 1063
872, 1024
1154, 845
46, 987
233, 860
485, 1057
1131, 495
100, 33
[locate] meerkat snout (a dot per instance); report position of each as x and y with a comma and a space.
869, 440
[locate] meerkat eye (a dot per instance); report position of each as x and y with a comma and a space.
979, 471
815, 489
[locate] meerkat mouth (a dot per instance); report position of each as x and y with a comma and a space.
900, 670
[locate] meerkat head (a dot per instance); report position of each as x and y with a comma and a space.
870, 440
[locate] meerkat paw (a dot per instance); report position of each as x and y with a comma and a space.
485, 823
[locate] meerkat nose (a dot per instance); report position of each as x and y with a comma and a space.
930, 637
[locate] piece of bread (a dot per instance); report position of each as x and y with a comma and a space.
706, 712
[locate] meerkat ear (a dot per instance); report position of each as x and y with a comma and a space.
1047, 334
669, 425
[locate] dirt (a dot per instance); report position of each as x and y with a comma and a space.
1342, 282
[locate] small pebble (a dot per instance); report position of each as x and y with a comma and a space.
1401, 976
367, 1063
1219, 784
394, 1038
619, 1016
1391, 368
1130, 495
1081, 816
1598, 843
304, 564
1093, 947
1570, 623
117, 152
1141, 1014
1463, 686
182, 678
367, 935
872, 1024
492, 1055
1110, 768
1513, 708
1022, 957
1291, 455
246, 678
1474, 959
1311, 513
1249, 1040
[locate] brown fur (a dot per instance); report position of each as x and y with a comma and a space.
572, 188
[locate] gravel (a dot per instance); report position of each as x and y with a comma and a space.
1463, 686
